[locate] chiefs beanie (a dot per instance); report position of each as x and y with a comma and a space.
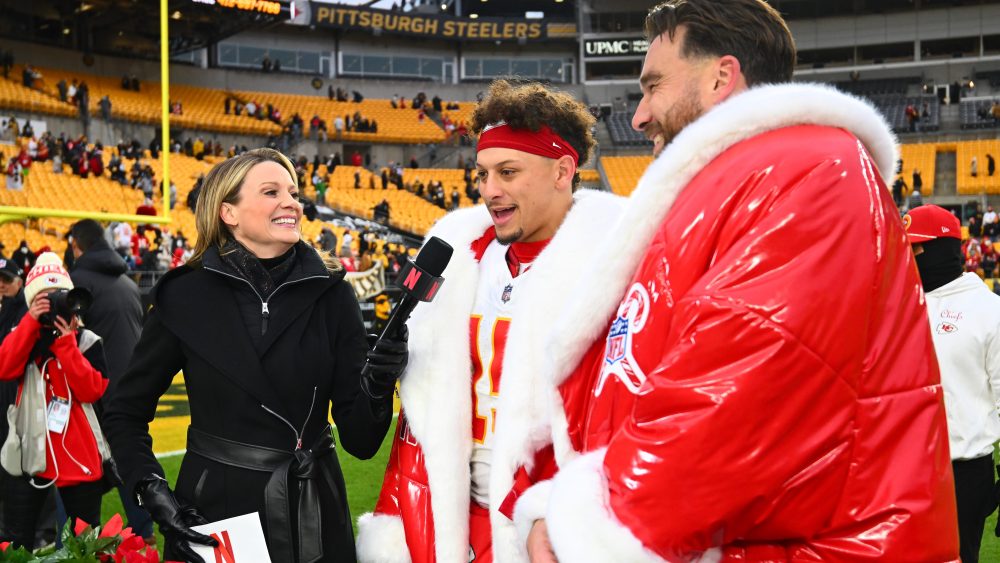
48, 273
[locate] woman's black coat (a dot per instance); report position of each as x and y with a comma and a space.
315, 339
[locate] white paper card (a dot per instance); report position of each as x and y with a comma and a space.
241, 540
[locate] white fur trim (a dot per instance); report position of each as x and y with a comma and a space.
439, 375
524, 405
582, 527
532, 506
381, 539
751, 113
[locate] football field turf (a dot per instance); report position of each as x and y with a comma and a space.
363, 478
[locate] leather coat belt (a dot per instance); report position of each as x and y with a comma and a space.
305, 466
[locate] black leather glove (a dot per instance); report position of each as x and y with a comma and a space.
386, 361
173, 518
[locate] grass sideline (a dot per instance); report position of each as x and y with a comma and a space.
363, 478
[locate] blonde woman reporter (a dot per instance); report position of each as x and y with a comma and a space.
271, 343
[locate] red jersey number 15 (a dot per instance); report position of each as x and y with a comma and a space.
494, 359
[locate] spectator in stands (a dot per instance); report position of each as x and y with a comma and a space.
7, 59
265, 64
63, 89
356, 159
105, 105
96, 163
455, 198
357, 180
966, 349
198, 149
357, 97
991, 165
147, 208
995, 111
330, 93
918, 180
975, 228
28, 132
246, 246
990, 222
327, 241
71, 441
23, 256
83, 99
974, 167
471, 192
436, 103
346, 248
381, 212
338, 126
57, 163
13, 129
916, 199
177, 108
71, 92
189, 147
15, 179
413, 162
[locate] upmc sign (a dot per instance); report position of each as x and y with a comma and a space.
615, 47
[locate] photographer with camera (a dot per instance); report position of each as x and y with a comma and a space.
59, 367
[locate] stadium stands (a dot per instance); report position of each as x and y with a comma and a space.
976, 114
623, 172
923, 157
982, 182
203, 108
878, 86
622, 134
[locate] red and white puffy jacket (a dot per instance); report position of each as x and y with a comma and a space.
422, 514
752, 377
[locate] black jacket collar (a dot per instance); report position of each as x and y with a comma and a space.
185, 294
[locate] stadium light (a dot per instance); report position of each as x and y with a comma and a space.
473, 16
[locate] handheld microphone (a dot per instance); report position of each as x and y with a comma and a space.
420, 280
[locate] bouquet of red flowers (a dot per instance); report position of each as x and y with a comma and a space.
84, 544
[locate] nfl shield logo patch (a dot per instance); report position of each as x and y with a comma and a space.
617, 339
505, 297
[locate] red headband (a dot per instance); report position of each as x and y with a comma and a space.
545, 142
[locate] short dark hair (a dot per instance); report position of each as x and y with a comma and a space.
530, 106
86, 233
750, 30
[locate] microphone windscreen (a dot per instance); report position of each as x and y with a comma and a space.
434, 256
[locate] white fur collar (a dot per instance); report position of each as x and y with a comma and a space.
523, 412
435, 390
746, 115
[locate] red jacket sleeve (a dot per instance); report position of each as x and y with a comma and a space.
86, 382
16, 348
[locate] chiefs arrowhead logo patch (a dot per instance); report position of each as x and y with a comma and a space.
946, 328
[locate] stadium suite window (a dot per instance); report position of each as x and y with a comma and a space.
495, 67
409, 66
431, 67
373, 64
521, 67
351, 64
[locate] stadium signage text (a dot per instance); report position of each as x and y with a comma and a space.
271, 7
615, 47
443, 27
